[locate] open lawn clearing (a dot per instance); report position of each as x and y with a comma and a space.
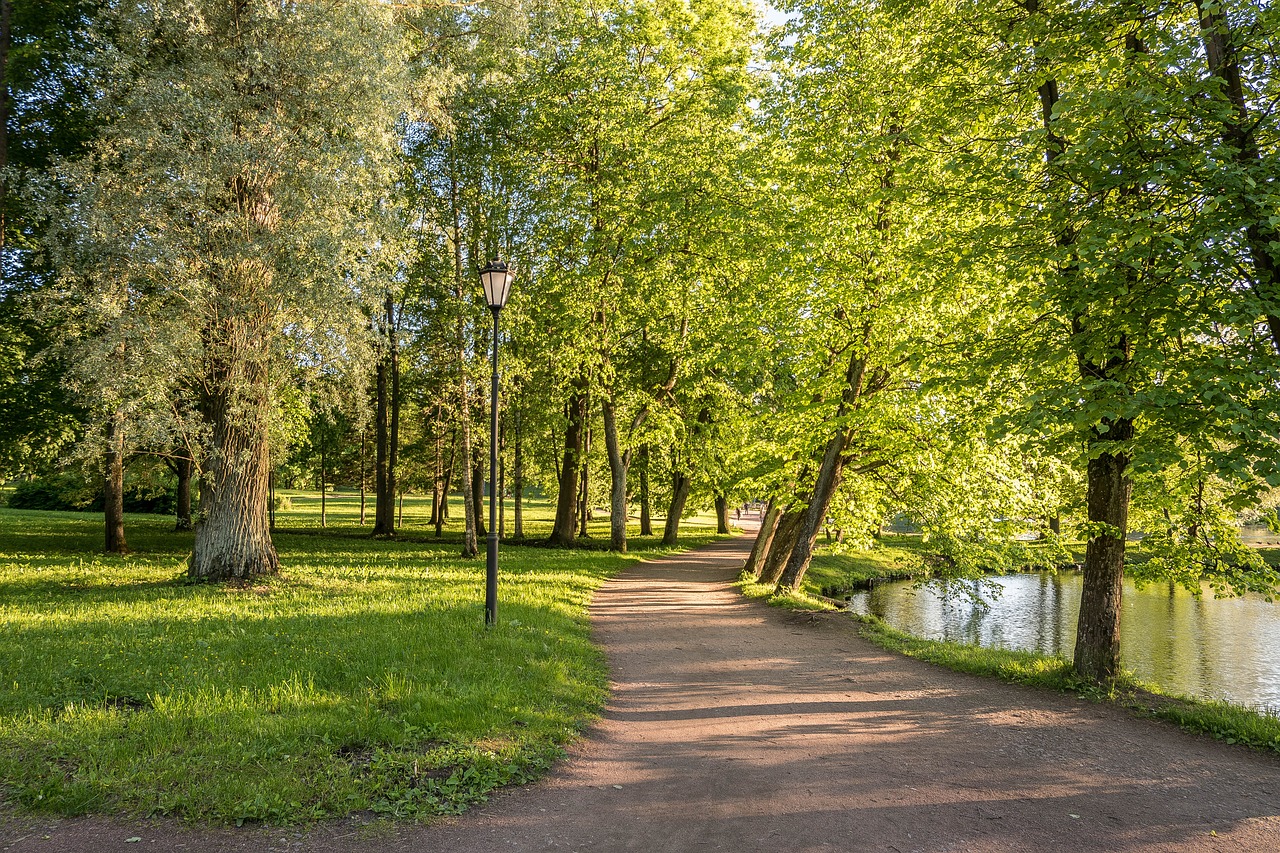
361, 678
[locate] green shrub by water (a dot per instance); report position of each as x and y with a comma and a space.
360, 679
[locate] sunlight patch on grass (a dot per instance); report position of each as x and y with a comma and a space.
360, 678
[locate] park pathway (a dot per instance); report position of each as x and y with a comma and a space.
738, 727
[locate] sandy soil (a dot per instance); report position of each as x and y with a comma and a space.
734, 726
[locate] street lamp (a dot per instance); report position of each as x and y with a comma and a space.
496, 278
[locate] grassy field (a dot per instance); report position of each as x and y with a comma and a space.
359, 679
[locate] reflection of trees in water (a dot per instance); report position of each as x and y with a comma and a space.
1186, 644
1053, 631
965, 605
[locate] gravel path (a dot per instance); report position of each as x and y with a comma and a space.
734, 726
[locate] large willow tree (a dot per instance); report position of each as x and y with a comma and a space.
229, 206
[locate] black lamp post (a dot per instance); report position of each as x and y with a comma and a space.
496, 278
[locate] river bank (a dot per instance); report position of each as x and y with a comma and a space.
1231, 722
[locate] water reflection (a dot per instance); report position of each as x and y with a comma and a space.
1207, 647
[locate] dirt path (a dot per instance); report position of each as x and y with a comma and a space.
738, 727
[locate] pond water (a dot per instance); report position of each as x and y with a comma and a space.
1218, 648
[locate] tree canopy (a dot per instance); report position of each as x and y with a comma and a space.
989, 268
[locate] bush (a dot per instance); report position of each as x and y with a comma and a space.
140, 499
69, 493
63, 492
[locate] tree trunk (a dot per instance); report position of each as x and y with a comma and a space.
113, 487
393, 450
449, 468
232, 538
183, 467
760, 550
829, 476
384, 486
437, 480
1239, 135
517, 478
722, 514
6, 10
477, 494
470, 541
646, 515
584, 499
362, 477
564, 529
1097, 653
680, 485
619, 462
1055, 525
324, 506
784, 539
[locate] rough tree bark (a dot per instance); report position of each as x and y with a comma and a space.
363, 478
477, 490
584, 497
784, 539
450, 467
233, 538
6, 11
619, 462
470, 541
437, 480
760, 548
324, 494
183, 467
1097, 651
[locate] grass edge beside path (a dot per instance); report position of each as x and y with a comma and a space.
1224, 721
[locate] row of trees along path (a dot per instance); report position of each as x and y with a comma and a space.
757, 267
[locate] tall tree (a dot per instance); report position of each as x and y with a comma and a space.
263, 232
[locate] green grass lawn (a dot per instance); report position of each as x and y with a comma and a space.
359, 679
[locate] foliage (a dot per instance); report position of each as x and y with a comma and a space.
66, 492
69, 492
